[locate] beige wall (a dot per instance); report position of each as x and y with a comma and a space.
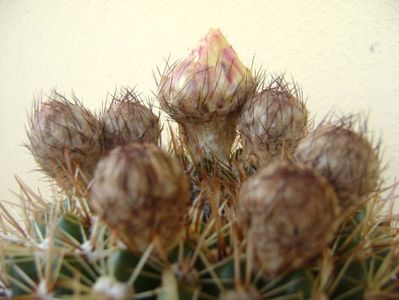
345, 55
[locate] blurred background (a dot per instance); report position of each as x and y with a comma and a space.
344, 55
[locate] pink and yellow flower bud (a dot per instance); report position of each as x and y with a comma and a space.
204, 93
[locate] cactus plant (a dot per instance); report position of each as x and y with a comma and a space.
201, 219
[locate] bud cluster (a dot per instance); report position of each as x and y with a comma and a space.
284, 212
67, 140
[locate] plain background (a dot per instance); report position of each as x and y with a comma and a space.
344, 55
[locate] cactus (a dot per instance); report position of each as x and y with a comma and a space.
282, 212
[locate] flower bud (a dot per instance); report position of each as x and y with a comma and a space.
204, 93
63, 137
141, 193
271, 122
127, 120
344, 157
289, 214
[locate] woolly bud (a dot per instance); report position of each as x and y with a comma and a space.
273, 121
141, 193
344, 157
64, 136
288, 211
127, 120
204, 92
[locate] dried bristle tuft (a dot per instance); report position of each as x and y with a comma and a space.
140, 192
273, 121
128, 120
204, 93
64, 136
288, 212
345, 157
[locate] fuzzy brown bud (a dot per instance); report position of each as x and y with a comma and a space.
204, 93
140, 192
127, 120
271, 122
65, 136
289, 214
344, 157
